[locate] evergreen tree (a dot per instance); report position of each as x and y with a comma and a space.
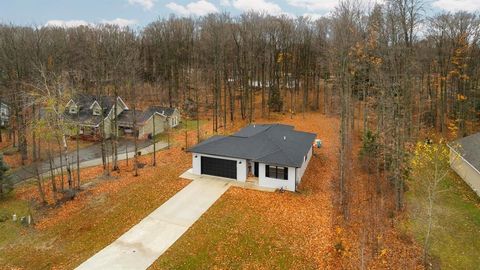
5, 184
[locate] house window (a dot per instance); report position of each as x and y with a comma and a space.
276, 172
96, 111
73, 109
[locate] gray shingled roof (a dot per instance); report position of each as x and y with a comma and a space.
85, 114
167, 111
126, 117
469, 148
273, 144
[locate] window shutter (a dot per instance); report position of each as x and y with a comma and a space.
285, 173
267, 171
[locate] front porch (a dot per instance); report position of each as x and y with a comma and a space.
87, 133
251, 183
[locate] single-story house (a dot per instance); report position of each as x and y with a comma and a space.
93, 113
144, 124
164, 118
465, 160
172, 114
275, 154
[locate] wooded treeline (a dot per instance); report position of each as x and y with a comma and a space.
389, 69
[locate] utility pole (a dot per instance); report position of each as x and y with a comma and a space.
154, 143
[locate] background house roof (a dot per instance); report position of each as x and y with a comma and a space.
167, 111
85, 112
469, 148
126, 117
273, 144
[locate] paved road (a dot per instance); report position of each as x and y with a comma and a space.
145, 242
88, 155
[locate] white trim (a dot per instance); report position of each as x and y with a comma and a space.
451, 148
91, 106
71, 100
124, 104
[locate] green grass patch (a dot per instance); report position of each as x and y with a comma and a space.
456, 232
9, 206
190, 124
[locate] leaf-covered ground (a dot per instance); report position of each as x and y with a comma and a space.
244, 229
252, 229
65, 236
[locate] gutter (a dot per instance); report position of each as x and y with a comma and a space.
470, 164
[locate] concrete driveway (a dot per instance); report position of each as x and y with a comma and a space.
145, 242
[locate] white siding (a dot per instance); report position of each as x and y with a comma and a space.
301, 170
241, 165
264, 181
465, 171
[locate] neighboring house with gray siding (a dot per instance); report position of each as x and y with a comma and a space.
271, 155
97, 116
172, 114
465, 160
145, 127
93, 114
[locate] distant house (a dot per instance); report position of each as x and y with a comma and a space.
275, 155
93, 114
172, 114
465, 160
96, 117
4, 114
145, 127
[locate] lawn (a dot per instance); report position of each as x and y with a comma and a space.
244, 229
179, 131
9, 206
234, 235
456, 234
191, 124
65, 236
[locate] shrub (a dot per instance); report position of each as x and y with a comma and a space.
4, 216
275, 102
370, 150
339, 247
5, 183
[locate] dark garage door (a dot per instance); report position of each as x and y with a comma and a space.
219, 167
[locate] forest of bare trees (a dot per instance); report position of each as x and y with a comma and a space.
393, 70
